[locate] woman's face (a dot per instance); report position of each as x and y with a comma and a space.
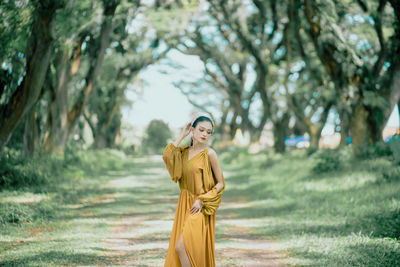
202, 131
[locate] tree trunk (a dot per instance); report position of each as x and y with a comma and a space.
56, 135
359, 128
233, 125
100, 47
394, 94
106, 134
31, 134
315, 135
344, 128
39, 49
281, 129
255, 135
117, 129
107, 114
375, 123
298, 128
224, 127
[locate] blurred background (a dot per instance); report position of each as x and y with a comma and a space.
89, 86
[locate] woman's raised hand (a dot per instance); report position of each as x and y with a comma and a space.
186, 129
185, 132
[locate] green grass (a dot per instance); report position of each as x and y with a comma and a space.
347, 217
55, 222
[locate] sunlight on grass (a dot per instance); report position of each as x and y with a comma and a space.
349, 250
249, 205
123, 215
248, 244
25, 197
133, 181
322, 212
347, 182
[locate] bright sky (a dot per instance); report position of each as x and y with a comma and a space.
394, 119
161, 99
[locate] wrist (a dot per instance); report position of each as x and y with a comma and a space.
178, 141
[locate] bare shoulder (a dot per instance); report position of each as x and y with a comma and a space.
211, 153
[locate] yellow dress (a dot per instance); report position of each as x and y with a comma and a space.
196, 180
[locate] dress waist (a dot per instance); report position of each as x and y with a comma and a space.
184, 190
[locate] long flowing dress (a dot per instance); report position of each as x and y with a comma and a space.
196, 180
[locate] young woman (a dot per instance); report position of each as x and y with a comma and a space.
202, 183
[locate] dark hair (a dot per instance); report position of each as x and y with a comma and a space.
199, 119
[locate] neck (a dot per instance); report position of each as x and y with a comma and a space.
197, 145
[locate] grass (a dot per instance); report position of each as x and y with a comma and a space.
104, 208
347, 217
50, 223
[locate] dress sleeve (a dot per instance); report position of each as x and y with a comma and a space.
172, 157
211, 199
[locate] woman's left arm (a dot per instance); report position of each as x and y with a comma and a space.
209, 201
216, 169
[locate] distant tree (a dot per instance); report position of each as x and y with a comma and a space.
156, 136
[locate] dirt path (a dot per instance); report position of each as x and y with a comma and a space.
140, 231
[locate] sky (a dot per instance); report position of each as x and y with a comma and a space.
161, 99
394, 118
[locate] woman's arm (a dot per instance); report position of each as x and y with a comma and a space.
216, 169
209, 201
185, 132
178, 141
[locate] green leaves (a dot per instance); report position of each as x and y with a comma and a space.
374, 100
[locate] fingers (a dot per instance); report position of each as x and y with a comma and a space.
196, 207
199, 211
195, 210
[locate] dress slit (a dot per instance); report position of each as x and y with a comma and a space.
184, 245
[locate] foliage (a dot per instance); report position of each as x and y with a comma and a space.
15, 22
17, 139
376, 150
394, 145
19, 213
15, 213
328, 160
71, 153
156, 136
391, 174
17, 171
311, 150
385, 169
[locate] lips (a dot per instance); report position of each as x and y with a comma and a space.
203, 138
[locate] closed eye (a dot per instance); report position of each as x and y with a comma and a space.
203, 131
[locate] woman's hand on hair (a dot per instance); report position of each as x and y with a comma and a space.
186, 129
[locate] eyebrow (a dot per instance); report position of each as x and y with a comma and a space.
205, 128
